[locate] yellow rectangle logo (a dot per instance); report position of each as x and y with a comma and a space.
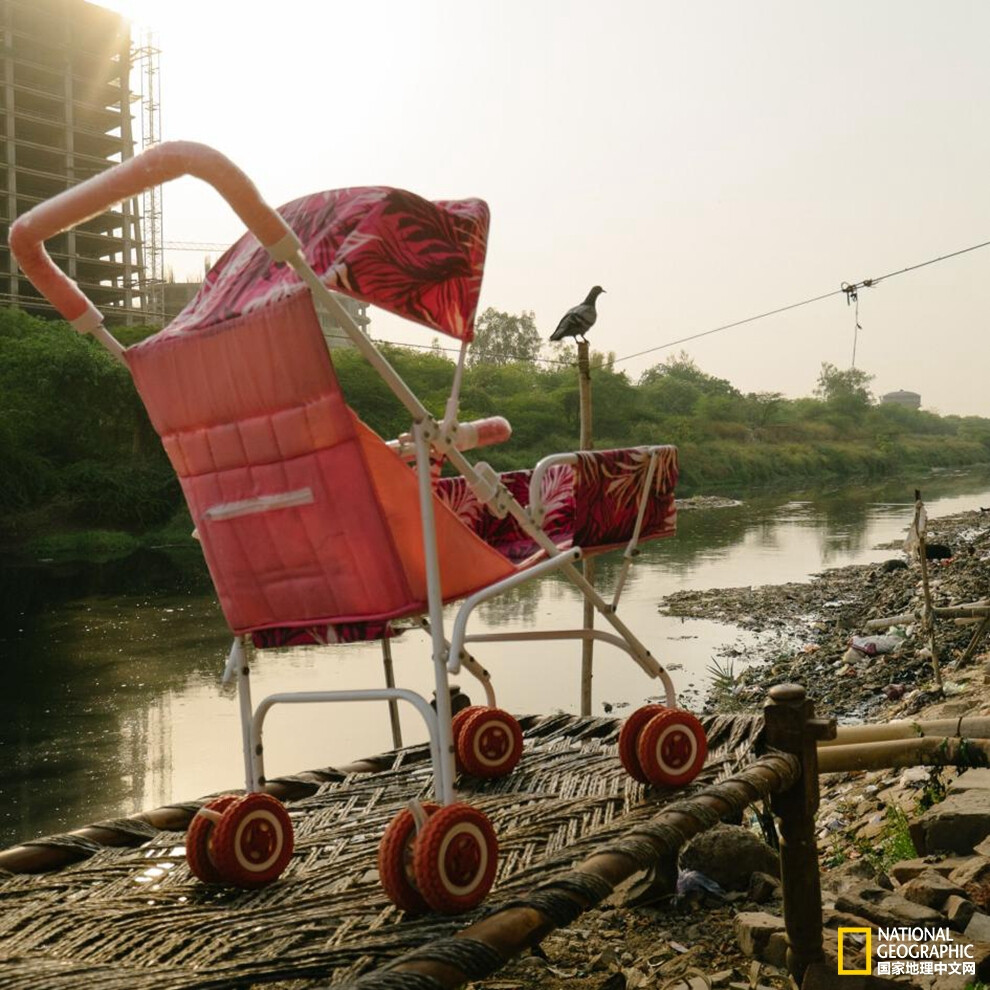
868, 932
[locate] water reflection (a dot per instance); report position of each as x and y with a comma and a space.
111, 703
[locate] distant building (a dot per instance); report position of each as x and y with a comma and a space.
66, 114
910, 400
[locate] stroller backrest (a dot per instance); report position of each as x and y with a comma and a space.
305, 516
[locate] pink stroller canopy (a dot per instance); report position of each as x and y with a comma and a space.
420, 260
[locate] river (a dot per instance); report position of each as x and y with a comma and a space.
111, 701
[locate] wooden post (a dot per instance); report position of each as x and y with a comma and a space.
393, 705
586, 443
792, 728
929, 615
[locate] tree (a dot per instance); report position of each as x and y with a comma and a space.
681, 368
850, 387
501, 338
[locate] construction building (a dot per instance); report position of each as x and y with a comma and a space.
67, 115
80, 95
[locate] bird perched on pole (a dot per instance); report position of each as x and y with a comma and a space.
578, 320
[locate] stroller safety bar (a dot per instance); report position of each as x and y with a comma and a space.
157, 165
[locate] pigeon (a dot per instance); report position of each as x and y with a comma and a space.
580, 319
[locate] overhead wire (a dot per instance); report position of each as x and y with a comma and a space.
849, 290
457, 350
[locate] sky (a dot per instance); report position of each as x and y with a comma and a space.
704, 162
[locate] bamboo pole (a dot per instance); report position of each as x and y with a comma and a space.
588, 565
170, 818
975, 641
892, 754
969, 728
929, 615
512, 930
968, 610
904, 619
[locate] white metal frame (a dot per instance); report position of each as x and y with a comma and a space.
427, 434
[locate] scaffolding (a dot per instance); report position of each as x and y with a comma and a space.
146, 60
65, 69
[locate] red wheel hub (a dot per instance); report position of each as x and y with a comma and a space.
258, 840
494, 741
462, 860
677, 749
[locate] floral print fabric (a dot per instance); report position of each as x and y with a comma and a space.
592, 504
421, 260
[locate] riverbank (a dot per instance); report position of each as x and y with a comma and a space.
803, 635
805, 631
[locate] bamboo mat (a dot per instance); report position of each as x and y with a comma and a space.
135, 919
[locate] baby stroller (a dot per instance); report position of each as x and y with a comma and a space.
315, 530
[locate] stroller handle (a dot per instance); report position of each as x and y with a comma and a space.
160, 164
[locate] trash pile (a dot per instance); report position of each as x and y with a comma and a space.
816, 634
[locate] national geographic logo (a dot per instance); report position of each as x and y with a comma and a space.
868, 932
905, 951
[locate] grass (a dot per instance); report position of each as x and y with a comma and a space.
87, 544
722, 689
892, 844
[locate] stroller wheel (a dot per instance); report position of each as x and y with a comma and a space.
672, 748
454, 859
457, 722
395, 861
253, 843
629, 739
198, 841
489, 743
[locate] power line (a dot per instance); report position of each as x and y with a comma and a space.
457, 350
849, 290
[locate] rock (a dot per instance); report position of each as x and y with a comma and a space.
849, 873
656, 884
775, 953
908, 869
978, 928
977, 778
883, 907
606, 959
959, 911
763, 887
931, 889
976, 869
956, 824
730, 855
914, 777
753, 930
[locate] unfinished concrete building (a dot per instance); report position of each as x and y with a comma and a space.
66, 115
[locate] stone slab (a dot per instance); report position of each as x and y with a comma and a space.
956, 824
